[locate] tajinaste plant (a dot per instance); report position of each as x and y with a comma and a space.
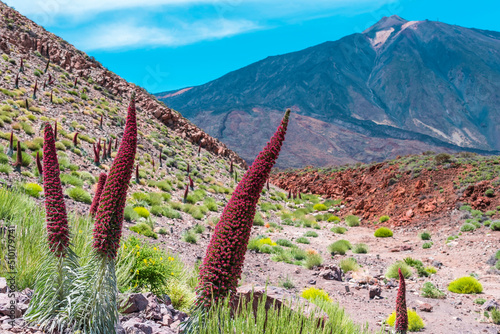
225, 255
10, 152
57, 271
75, 139
98, 192
19, 156
401, 325
94, 297
39, 164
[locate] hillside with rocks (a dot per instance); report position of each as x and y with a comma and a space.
400, 87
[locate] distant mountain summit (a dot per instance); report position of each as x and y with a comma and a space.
399, 87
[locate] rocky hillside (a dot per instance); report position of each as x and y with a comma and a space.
400, 87
22, 40
411, 190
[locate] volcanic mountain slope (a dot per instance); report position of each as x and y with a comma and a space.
399, 87
59, 84
412, 190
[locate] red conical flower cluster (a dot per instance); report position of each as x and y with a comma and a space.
57, 220
98, 193
109, 219
401, 311
223, 262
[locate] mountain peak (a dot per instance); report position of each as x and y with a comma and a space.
385, 23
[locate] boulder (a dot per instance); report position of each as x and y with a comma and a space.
133, 302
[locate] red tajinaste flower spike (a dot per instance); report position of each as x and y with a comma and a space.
57, 220
116, 143
186, 193
76, 82
109, 149
191, 183
98, 193
104, 157
231, 167
153, 163
267, 185
137, 173
100, 123
109, 218
50, 78
16, 82
75, 139
34, 90
290, 194
51, 101
96, 155
199, 149
99, 147
19, 155
26, 102
47, 67
225, 255
11, 143
55, 125
39, 164
21, 67
401, 312
44, 84
188, 169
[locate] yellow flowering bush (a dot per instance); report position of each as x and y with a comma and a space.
153, 267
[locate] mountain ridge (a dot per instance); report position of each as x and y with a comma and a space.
406, 80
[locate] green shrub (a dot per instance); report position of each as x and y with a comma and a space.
198, 229
152, 267
33, 189
298, 254
320, 207
314, 294
465, 285
384, 218
339, 247
144, 229
258, 220
495, 226
489, 193
360, 248
349, 264
495, 316
190, 237
427, 245
284, 243
383, 232
352, 220
303, 240
71, 179
392, 271
479, 301
129, 214
6, 169
425, 236
79, 194
333, 219
467, 227
415, 322
142, 212
313, 260
430, 291
338, 229
311, 234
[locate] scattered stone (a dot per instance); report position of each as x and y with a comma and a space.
425, 307
491, 304
375, 292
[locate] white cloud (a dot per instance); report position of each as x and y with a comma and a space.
124, 35
268, 8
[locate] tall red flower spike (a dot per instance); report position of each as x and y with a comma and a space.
57, 220
199, 149
109, 219
225, 255
186, 192
191, 183
39, 164
98, 193
267, 185
401, 311
231, 167
109, 149
11, 142
104, 157
19, 155
75, 139
55, 127
137, 173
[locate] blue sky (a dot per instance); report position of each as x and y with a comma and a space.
169, 44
